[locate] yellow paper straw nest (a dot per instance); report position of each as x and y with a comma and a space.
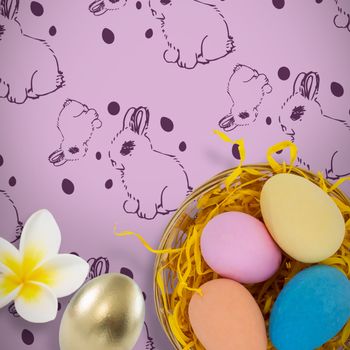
180, 269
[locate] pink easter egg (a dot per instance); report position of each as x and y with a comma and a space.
238, 246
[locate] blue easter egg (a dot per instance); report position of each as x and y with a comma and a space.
311, 309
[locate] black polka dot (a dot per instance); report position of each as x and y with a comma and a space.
268, 121
67, 186
182, 146
144, 295
235, 151
149, 33
98, 155
12, 181
319, 1
1, 160
138, 5
279, 4
52, 31
59, 306
337, 89
113, 108
107, 36
27, 337
166, 124
284, 73
36, 8
109, 184
127, 272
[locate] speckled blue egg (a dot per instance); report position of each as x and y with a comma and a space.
311, 309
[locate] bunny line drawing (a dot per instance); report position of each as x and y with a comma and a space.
99, 7
9, 211
342, 19
98, 267
77, 124
12, 224
302, 112
195, 31
202, 37
150, 342
29, 67
12, 310
166, 181
246, 88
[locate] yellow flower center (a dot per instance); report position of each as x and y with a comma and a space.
25, 271
32, 257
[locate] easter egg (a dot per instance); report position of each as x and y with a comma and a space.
227, 317
106, 313
302, 218
311, 309
238, 246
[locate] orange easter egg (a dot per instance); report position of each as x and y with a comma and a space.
227, 317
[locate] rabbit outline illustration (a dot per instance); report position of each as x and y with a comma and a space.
302, 112
150, 341
342, 18
99, 7
194, 43
98, 267
246, 88
77, 124
29, 67
167, 184
12, 224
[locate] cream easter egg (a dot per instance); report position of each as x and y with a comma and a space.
303, 219
107, 313
227, 317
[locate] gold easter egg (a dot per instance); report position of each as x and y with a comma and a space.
107, 313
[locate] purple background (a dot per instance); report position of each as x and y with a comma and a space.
299, 35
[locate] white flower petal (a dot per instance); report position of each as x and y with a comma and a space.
63, 274
9, 257
36, 303
40, 240
8, 289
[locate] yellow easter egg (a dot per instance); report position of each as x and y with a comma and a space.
303, 219
106, 313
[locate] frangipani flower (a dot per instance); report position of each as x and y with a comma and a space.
36, 275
